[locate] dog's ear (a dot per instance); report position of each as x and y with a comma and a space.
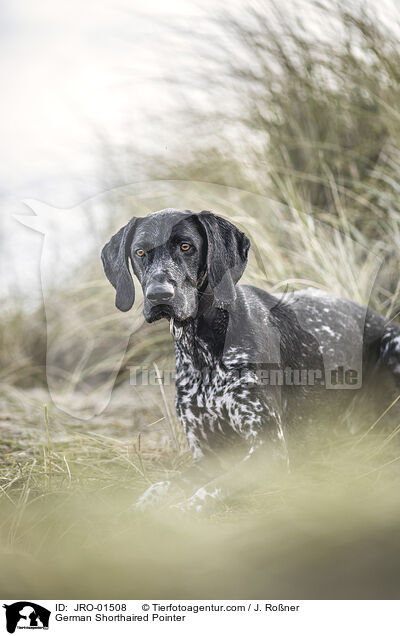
226, 255
115, 257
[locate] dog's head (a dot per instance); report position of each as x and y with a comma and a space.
174, 254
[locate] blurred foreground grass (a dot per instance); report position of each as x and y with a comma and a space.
330, 529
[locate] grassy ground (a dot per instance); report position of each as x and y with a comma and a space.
317, 140
328, 530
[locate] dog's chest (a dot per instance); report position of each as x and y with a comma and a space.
217, 400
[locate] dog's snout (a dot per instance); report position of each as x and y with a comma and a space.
160, 292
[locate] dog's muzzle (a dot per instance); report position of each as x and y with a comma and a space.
157, 293
159, 297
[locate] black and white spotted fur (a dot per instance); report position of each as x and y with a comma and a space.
226, 336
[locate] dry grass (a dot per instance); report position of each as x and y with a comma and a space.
68, 529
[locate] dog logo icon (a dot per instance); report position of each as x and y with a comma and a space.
26, 615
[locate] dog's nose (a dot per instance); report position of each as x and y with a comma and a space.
160, 292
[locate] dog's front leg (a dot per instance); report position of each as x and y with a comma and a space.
154, 495
202, 471
265, 458
211, 479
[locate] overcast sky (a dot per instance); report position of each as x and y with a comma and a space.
72, 72
77, 75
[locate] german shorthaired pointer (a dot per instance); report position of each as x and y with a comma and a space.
250, 367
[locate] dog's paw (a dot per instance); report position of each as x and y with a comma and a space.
153, 495
204, 500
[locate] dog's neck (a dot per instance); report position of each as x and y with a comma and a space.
202, 339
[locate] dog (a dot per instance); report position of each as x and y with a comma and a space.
250, 366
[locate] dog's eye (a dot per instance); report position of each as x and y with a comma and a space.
139, 253
185, 247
